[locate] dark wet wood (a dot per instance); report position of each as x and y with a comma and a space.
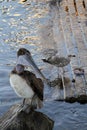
18, 119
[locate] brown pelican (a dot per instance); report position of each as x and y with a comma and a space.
24, 82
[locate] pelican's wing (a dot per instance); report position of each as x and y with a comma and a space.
36, 83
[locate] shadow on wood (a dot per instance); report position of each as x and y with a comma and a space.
17, 119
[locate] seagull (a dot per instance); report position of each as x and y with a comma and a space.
25, 83
59, 62
49, 52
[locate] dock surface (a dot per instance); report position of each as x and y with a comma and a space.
66, 31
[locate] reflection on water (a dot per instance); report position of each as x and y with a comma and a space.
67, 116
19, 25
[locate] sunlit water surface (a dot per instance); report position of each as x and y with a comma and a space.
19, 25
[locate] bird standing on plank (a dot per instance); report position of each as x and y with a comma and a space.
59, 62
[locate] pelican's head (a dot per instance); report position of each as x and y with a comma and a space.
24, 58
23, 51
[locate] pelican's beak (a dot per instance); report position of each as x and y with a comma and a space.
27, 60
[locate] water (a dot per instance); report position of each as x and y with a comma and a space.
19, 25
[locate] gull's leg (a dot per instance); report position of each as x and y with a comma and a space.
23, 102
58, 71
62, 76
63, 70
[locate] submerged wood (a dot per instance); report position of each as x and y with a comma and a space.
27, 119
81, 98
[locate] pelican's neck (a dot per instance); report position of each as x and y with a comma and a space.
18, 69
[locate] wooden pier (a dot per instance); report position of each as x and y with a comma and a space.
66, 31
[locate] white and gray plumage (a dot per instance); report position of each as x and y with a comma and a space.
49, 53
24, 82
57, 61
52, 57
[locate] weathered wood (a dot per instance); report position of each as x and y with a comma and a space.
67, 33
18, 119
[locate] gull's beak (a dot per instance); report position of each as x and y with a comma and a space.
27, 60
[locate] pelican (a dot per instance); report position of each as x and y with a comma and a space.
25, 83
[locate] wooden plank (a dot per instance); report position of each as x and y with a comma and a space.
58, 36
67, 91
81, 19
77, 31
85, 1
69, 39
82, 34
81, 38
77, 38
68, 47
80, 8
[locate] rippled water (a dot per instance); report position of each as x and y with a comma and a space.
19, 25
